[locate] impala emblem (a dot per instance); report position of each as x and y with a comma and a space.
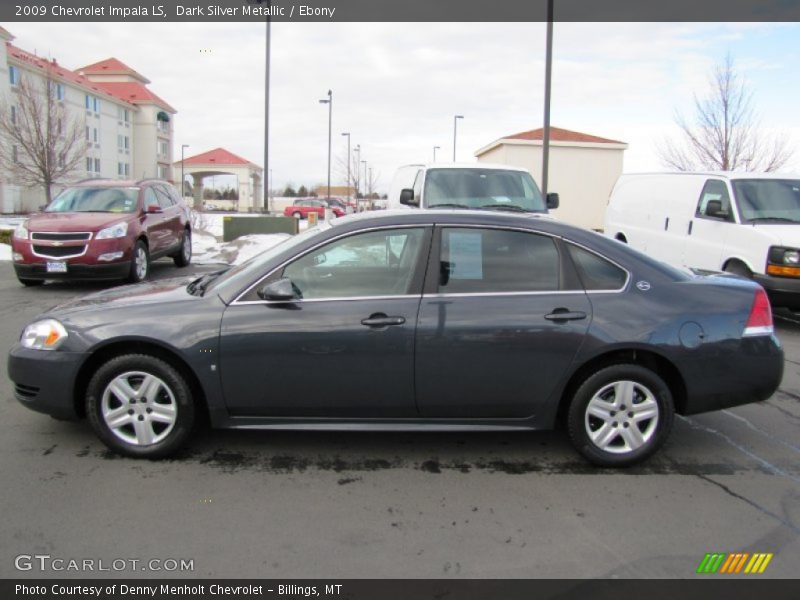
643, 285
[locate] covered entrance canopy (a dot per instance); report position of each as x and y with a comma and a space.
223, 162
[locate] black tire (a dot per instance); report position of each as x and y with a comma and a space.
740, 269
137, 274
30, 282
184, 255
298, 215
620, 424
171, 391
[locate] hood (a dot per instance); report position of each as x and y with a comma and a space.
75, 221
782, 234
139, 294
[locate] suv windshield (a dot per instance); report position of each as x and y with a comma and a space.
100, 199
482, 188
765, 200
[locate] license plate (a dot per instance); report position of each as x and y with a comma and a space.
56, 267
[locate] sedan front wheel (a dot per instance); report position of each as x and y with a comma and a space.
140, 406
620, 415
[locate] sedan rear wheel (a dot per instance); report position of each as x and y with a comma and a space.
620, 415
140, 406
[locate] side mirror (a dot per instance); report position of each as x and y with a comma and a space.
281, 290
153, 209
714, 209
407, 198
552, 200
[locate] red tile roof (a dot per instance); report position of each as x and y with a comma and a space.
218, 156
111, 66
57, 71
133, 92
560, 135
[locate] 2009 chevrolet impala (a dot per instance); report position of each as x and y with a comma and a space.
430, 320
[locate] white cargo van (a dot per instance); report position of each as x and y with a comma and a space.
743, 223
468, 185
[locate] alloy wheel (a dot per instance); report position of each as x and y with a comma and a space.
621, 417
139, 408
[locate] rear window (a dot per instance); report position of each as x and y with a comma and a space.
482, 188
596, 273
100, 199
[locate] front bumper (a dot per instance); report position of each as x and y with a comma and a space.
782, 291
44, 380
75, 271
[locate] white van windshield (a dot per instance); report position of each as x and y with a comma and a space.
482, 188
768, 200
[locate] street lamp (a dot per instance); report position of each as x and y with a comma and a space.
329, 102
366, 182
348, 165
358, 172
435, 148
270, 181
455, 131
183, 181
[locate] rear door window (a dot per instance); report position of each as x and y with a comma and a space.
477, 261
597, 273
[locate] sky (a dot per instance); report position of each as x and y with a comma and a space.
397, 86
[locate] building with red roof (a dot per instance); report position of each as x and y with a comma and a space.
583, 168
220, 161
129, 128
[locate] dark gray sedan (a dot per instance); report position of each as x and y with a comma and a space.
428, 320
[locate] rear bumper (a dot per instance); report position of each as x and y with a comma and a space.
782, 291
732, 373
75, 271
44, 380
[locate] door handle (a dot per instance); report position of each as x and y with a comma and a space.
689, 231
562, 314
381, 320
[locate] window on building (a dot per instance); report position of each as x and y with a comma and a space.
13, 114
162, 171
89, 164
127, 169
96, 165
163, 148
13, 75
56, 90
88, 102
96, 137
62, 160
14, 154
127, 142
92, 103
88, 137
96, 105
123, 114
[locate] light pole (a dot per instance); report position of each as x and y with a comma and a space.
358, 172
366, 183
435, 148
266, 96
269, 187
348, 165
455, 131
183, 181
329, 102
548, 74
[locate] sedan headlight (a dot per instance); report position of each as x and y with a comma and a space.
21, 232
114, 231
47, 334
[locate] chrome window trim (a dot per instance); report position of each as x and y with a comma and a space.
238, 301
500, 294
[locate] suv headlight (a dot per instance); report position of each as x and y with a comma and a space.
114, 231
47, 334
21, 232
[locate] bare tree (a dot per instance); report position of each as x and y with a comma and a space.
355, 171
725, 133
41, 145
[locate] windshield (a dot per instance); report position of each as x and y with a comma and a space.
102, 199
253, 267
776, 200
482, 188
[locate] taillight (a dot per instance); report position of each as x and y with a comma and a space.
760, 320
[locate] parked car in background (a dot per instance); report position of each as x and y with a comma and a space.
103, 229
470, 185
743, 223
340, 204
457, 320
301, 208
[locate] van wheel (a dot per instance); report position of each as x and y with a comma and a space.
737, 268
620, 415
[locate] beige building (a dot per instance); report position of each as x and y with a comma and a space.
583, 169
129, 129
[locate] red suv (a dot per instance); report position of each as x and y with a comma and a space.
103, 230
303, 206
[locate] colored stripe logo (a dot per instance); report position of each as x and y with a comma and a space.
734, 563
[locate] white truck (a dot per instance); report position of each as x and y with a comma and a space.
743, 223
468, 185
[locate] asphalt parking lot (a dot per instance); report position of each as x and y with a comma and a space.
342, 505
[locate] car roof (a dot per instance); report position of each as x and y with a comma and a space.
117, 183
730, 175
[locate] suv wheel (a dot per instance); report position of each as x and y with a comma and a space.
184, 256
620, 415
140, 264
140, 406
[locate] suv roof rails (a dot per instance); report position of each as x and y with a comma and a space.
152, 179
89, 179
